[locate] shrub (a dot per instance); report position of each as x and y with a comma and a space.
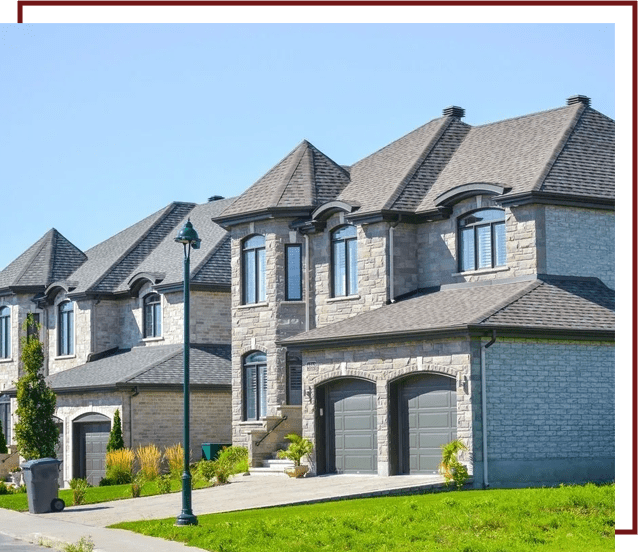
175, 459
231, 460
79, 487
450, 467
164, 484
4, 490
119, 466
116, 440
149, 458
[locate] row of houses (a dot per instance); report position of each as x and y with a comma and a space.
459, 282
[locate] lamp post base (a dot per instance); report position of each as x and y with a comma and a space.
186, 518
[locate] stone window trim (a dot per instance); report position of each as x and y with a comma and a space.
343, 298
482, 271
253, 305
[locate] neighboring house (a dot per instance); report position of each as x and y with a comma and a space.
111, 320
456, 283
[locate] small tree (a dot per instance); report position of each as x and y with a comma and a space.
116, 441
36, 433
3, 441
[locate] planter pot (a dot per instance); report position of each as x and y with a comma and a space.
296, 471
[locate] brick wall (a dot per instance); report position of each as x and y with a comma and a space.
580, 242
550, 400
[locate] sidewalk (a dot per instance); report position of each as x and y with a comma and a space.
245, 492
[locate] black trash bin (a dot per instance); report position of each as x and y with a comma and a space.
41, 480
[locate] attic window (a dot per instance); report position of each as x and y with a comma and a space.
482, 240
66, 329
152, 315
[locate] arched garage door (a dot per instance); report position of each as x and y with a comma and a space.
427, 420
90, 436
351, 427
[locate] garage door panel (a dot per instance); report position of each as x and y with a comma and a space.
427, 417
351, 429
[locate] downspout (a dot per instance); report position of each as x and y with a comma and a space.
307, 281
134, 393
484, 407
392, 225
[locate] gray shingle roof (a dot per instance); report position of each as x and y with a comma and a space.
304, 179
50, 259
154, 365
564, 151
550, 303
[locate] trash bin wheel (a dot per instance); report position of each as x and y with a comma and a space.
57, 505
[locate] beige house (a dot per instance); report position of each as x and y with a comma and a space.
111, 319
456, 283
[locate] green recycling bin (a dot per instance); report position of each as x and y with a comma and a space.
41, 480
211, 450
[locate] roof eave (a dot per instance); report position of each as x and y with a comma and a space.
548, 198
227, 222
531, 332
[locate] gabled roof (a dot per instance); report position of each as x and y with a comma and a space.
304, 179
547, 305
50, 259
148, 366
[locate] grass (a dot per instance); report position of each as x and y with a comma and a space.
566, 519
95, 495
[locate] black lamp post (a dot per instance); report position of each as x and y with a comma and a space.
190, 239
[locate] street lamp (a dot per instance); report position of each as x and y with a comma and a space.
190, 239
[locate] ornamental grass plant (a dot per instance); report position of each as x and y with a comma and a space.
119, 466
149, 459
174, 457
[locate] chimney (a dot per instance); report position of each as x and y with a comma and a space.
578, 99
215, 198
454, 111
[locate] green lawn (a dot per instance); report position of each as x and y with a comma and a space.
565, 519
95, 495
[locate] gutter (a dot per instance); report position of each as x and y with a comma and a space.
484, 407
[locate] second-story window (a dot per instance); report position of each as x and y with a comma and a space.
482, 240
65, 328
152, 315
254, 270
293, 273
5, 332
344, 261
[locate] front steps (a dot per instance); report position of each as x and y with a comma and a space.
272, 466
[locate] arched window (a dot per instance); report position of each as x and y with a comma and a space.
254, 270
255, 386
344, 261
5, 332
65, 328
482, 240
152, 315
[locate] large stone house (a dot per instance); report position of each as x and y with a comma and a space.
111, 320
456, 283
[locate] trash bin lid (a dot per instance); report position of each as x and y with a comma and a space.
39, 462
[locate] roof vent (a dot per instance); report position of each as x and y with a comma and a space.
578, 99
215, 198
454, 111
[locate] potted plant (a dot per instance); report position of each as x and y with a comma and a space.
297, 449
16, 476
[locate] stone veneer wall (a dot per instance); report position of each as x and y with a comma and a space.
550, 412
157, 417
372, 272
580, 242
383, 364
406, 265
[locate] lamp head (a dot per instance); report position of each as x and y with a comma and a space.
188, 236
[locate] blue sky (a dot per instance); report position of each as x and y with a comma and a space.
105, 124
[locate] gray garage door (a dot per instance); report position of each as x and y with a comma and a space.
92, 438
428, 420
352, 427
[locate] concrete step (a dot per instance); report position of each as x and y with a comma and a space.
272, 466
